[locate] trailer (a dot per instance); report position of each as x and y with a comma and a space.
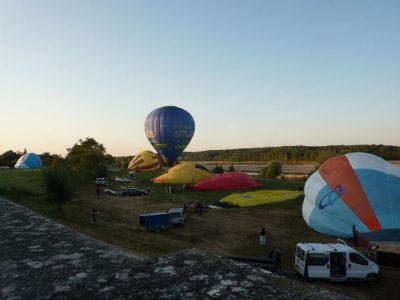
154, 221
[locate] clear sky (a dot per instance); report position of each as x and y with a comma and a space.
251, 73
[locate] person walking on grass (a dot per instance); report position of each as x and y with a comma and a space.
94, 214
263, 235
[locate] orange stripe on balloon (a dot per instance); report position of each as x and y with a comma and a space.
338, 171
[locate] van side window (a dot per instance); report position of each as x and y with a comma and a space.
300, 253
357, 259
315, 259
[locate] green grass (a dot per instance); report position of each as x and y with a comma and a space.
29, 180
117, 226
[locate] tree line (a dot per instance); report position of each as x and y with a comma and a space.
291, 153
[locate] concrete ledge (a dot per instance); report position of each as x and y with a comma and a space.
40, 259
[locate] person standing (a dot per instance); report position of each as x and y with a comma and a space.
355, 236
263, 235
94, 214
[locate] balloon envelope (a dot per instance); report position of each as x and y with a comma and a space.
354, 189
184, 173
29, 161
145, 161
169, 130
226, 181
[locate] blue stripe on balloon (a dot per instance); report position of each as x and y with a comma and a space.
335, 218
383, 193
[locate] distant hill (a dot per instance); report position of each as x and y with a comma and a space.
291, 153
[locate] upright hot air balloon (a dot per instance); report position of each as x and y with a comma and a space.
358, 189
169, 130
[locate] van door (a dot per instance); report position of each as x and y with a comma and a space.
338, 265
357, 267
318, 265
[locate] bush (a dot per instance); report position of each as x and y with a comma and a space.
59, 184
231, 168
218, 169
271, 171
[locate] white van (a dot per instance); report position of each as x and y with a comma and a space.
177, 216
336, 262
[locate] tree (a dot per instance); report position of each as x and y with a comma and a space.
86, 157
9, 158
218, 169
271, 171
49, 159
59, 184
231, 168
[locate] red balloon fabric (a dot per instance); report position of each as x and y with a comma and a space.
226, 181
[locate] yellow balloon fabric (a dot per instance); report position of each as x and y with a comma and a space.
261, 197
184, 173
145, 161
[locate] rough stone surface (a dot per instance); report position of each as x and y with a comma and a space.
40, 259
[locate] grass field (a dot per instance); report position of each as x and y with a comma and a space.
224, 232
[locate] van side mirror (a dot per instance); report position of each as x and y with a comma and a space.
349, 266
327, 266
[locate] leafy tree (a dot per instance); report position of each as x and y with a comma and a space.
49, 159
86, 156
325, 155
59, 184
271, 171
9, 158
218, 169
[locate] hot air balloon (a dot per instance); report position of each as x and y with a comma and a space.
354, 189
145, 161
169, 130
184, 173
29, 161
226, 181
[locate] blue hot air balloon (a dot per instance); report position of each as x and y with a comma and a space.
169, 130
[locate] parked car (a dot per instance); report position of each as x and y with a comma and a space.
100, 181
154, 221
177, 216
112, 192
133, 192
122, 179
335, 262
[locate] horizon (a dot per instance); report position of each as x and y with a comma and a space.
252, 74
152, 150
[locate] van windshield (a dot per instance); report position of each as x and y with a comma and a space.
175, 215
300, 253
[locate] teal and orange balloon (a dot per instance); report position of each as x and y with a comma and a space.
357, 189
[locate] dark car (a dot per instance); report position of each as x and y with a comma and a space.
133, 192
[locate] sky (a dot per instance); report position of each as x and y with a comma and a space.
251, 73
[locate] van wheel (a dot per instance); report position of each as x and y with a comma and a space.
371, 279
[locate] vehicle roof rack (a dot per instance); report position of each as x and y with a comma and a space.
340, 241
